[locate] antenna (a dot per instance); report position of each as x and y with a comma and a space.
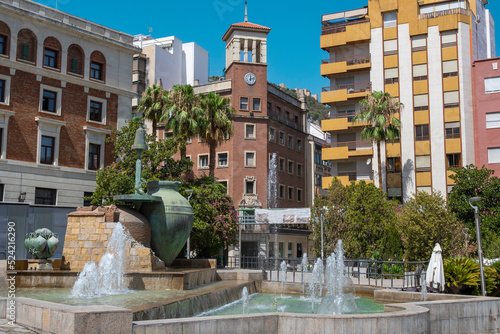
246, 12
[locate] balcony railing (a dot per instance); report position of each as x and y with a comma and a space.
284, 120
351, 145
347, 114
350, 60
354, 175
351, 88
335, 28
463, 11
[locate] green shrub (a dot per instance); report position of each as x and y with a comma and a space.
461, 275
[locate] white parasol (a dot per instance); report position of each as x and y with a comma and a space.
435, 271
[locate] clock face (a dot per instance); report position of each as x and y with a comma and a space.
250, 78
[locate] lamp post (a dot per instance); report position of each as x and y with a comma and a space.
479, 247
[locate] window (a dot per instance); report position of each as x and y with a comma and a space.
272, 134
299, 144
454, 160
282, 164
290, 167
87, 198
2, 90
269, 106
448, 39
491, 85
282, 191
299, 195
94, 156
249, 187
45, 196
317, 154
419, 72
282, 138
394, 165
494, 155
75, 59
318, 180
391, 75
222, 159
419, 43
493, 120
423, 163
26, 45
424, 189
450, 68
49, 101
244, 103
1, 192
422, 132
452, 130
451, 99
224, 184
290, 193
95, 112
299, 169
390, 47
3, 44
96, 71
250, 131
421, 102
203, 161
390, 19
278, 110
290, 141
50, 58
47, 150
250, 159
256, 104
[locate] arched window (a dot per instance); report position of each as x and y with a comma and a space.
4, 39
75, 59
26, 45
97, 66
52, 53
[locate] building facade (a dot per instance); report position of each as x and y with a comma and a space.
421, 53
63, 82
317, 168
486, 85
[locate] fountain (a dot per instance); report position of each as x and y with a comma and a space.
304, 264
244, 297
315, 290
283, 277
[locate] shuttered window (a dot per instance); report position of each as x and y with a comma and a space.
390, 47
450, 68
420, 72
493, 120
391, 75
390, 19
492, 85
419, 43
451, 99
448, 39
421, 102
423, 163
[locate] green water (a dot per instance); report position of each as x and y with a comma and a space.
264, 303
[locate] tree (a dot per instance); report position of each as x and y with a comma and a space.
471, 182
215, 218
216, 126
426, 220
183, 114
157, 163
152, 104
379, 110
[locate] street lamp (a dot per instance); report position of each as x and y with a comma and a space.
479, 247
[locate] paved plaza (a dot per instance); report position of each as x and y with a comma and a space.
5, 328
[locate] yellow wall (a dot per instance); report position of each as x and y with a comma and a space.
424, 179
335, 153
391, 61
453, 145
393, 150
422, 148
450, 84
449, 181
334, 124
394, 180
419, 57
420, 87
421, 117
334, 96
450, 53
390, 33
452, 115
333, 68
354, 33
392, 89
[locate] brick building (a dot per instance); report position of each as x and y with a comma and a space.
63, 82
267, 121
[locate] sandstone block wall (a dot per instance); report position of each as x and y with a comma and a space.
87, 235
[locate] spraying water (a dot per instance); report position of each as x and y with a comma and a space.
283, 274
106, 278
272, 182
424, 290
305, 262
316, 284
244, 297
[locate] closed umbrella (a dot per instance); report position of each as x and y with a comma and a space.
435, 271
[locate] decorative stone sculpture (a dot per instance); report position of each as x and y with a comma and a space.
42, 243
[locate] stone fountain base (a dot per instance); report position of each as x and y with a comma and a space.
40, 264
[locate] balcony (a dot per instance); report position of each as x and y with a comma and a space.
345, 27
345, 64
346, 150
345, 92
462, 11
340, 121
284, 120
346, 177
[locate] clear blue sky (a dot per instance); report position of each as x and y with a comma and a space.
294, 53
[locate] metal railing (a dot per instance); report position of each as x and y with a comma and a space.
355, 175
345, 114
387, 274
350, 60
351, 145
351, 88
463, 11
335, 28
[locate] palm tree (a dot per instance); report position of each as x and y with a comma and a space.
379, 110
183, 114
152, 104
217, 125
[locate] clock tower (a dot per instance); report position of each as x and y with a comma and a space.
246, 66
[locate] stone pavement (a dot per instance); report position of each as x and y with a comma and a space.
5, 328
